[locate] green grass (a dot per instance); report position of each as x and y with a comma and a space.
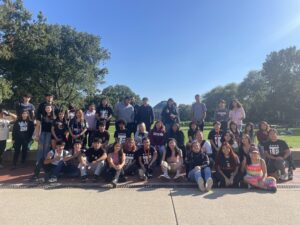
293, 140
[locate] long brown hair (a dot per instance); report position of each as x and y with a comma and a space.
221, 156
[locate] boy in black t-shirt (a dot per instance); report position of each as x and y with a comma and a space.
93, 159
59, 129
122, 133
147, 156
215, 136
278, 156
102, 134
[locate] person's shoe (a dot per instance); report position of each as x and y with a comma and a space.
122, 179
200, 183
144, 177
177, 176
290, 175
83, 179
165, 176
96, 178
283, 177
114, 183
53, 180
209, 184
272, 189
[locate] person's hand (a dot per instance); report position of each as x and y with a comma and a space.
227, 182
279, 158
94, 162
231, 180
57, 157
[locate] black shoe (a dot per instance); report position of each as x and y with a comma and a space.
122, 179
96, 178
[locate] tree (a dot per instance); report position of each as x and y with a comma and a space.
5, 89
185, 112
282, 73
212, 97
114, 94
40, 57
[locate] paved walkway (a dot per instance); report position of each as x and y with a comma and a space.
146, 206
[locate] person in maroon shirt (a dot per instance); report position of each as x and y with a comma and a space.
158, 139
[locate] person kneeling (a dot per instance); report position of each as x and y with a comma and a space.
199, 170
55, 162
93, 159
172, 160
256, 172
147, 156
116, 162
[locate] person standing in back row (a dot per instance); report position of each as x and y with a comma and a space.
145, 114
199, 112
25, 105
170, 114
125, 111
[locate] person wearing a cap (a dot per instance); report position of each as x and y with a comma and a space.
199, 112
278, 156
170, 114
22, 136
256, 171
93, 159
25, 105
5, 124
222, 115
145, 114
41, 107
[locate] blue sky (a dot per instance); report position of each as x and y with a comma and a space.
176, 48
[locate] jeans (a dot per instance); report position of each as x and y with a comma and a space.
24, 144
2, 148
195, 174
97, 168
44, 145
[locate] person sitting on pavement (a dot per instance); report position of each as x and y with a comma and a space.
147, 156
121, 133
130, 150
172, 160
140, 134
256, 171
116, 162
93, 159
55, 162
278, 157
102, 134
198, 168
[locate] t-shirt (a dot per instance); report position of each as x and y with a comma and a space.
25, 107
228, 165
276, 148
60, 128
104, 136
192, 133
198, 110
77, 127
262, 136
46, 123
104, 112
4, 129
147, 156
138, 137
121, 135
236, 115
157, 137
93, 154
222, 115
215, 137
130, 157
90, 118
53, 154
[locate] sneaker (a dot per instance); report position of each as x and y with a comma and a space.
209, 184
272, 189
165, 176
114, 183
290, 175
177, 176
53, 180
283, 177
144, 177
200, 183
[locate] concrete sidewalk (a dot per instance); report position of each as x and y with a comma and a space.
146, 206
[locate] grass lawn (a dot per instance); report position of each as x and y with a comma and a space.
293, 140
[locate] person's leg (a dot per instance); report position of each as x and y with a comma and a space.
83, 171
165, 167
206, 173
2, 149
59, 168
99, 168
219, 179
25, 145
201, 126
90, 138
107, 125
17, 147
280, 165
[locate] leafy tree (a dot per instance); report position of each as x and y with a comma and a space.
38, 57
185, 112
5, 89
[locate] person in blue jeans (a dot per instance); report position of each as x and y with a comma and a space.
55, 162
198, 168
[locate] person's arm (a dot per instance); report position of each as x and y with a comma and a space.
154, 158
163, 158
151, 116
49, 158
141, 163
243, 114
53, 133
269, 156
37, 131
264, 169
103, 157
111, 162
13, 116
205, 163
287, 153
31, 129
123, 161
243, 166
15, 131
110, 113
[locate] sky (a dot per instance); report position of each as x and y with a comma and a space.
176, 48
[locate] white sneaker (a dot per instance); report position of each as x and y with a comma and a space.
284, 177
209, 184
166, 176
200, 183
177, 176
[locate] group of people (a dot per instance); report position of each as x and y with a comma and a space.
73, 142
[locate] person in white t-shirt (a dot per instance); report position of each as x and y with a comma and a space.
4, 130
